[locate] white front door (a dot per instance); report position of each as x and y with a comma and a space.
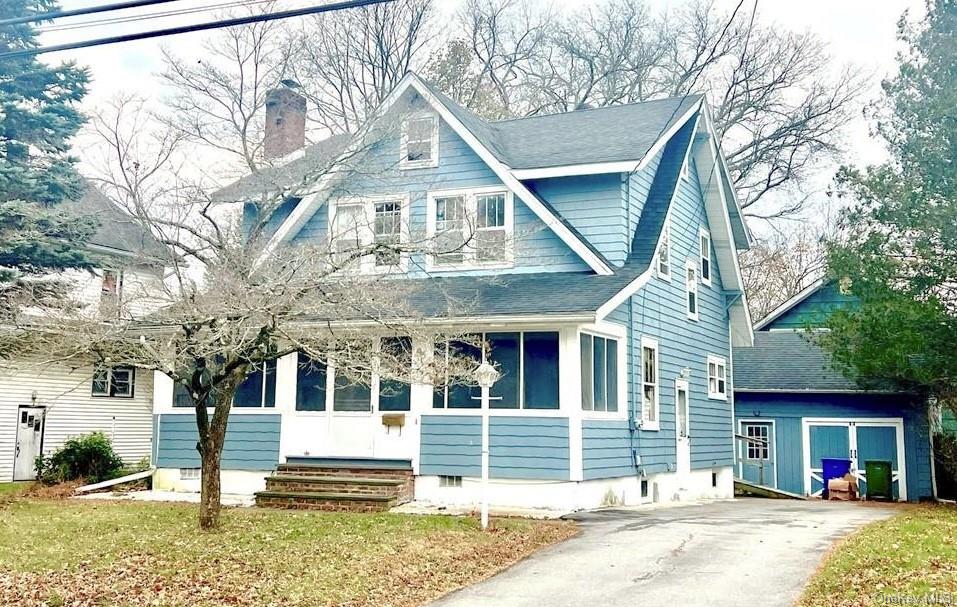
29, 442
682, 432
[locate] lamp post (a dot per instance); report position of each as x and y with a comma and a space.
485, 375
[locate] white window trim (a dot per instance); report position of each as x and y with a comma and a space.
648, 342
704, 233
471, 211
620, 336
686, 168
691, 286
716, 360
404, 162
665, 240
367, 262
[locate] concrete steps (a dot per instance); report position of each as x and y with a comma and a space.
338, 484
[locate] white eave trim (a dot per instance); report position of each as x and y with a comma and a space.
306, 207
622, 166
783, 308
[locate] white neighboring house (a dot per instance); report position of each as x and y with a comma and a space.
44, 404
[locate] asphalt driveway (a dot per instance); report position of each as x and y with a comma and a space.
725, 553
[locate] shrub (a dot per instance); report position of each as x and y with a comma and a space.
89, 456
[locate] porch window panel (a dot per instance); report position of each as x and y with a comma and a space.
588, 377
311, 377
504, 353
395, 394
250, 391
598, 366
611, 375
181, 396
461, 395
540, 356
351, 394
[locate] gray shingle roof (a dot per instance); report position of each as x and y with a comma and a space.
787, 361
117, 230
608, 134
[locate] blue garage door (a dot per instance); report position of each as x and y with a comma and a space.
827, 441
877, 443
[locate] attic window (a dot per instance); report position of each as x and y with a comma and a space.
420, 142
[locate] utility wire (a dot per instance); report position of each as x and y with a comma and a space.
131, 18
90, 10
199, 27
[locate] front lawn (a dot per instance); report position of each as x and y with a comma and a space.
910, 559
106, 553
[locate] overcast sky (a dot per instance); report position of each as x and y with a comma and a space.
861, 32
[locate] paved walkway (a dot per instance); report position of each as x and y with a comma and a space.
750, 551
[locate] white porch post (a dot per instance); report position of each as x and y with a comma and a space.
486, 376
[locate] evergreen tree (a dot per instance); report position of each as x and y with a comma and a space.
38, 117
899, 254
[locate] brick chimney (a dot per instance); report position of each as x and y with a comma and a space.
285, 122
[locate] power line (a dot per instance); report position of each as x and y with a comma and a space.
90, 10
199, 27
131, 18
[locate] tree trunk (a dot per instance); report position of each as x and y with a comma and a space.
211, 451
209, 499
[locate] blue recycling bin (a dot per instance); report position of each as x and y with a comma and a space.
833, 468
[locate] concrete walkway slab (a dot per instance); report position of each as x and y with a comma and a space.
720, 554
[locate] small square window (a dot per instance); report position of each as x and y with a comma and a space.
113, 381
717, 378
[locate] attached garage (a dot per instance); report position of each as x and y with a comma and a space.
797, 409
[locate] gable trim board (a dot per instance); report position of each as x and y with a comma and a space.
628, 166
786, 306
308, 206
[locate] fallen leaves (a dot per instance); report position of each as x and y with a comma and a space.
910, 557
77, 554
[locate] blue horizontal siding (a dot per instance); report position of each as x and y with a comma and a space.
519, 447
528, 448
788, 410
252, 441
537, 247
451, 445
606, 449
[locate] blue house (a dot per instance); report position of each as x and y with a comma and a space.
788, 393
604, 276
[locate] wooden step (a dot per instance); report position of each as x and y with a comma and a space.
325, 501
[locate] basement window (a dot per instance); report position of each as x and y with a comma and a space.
190, 474
450, 481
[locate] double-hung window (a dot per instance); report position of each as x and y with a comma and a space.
717, 378
366, 235
116, 382
691, 289
650, 394
420, 142
451, 230
470, 228
704, 246
663, 261
599, 370
527, 363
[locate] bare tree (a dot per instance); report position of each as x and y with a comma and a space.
780, 266
217, 100
778, 102
347, 62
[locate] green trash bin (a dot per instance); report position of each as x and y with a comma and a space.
880, 484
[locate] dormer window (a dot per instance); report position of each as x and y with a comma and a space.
366, 235
470, 228
420, 142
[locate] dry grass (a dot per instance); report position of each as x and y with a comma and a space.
910, 559
75, 553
